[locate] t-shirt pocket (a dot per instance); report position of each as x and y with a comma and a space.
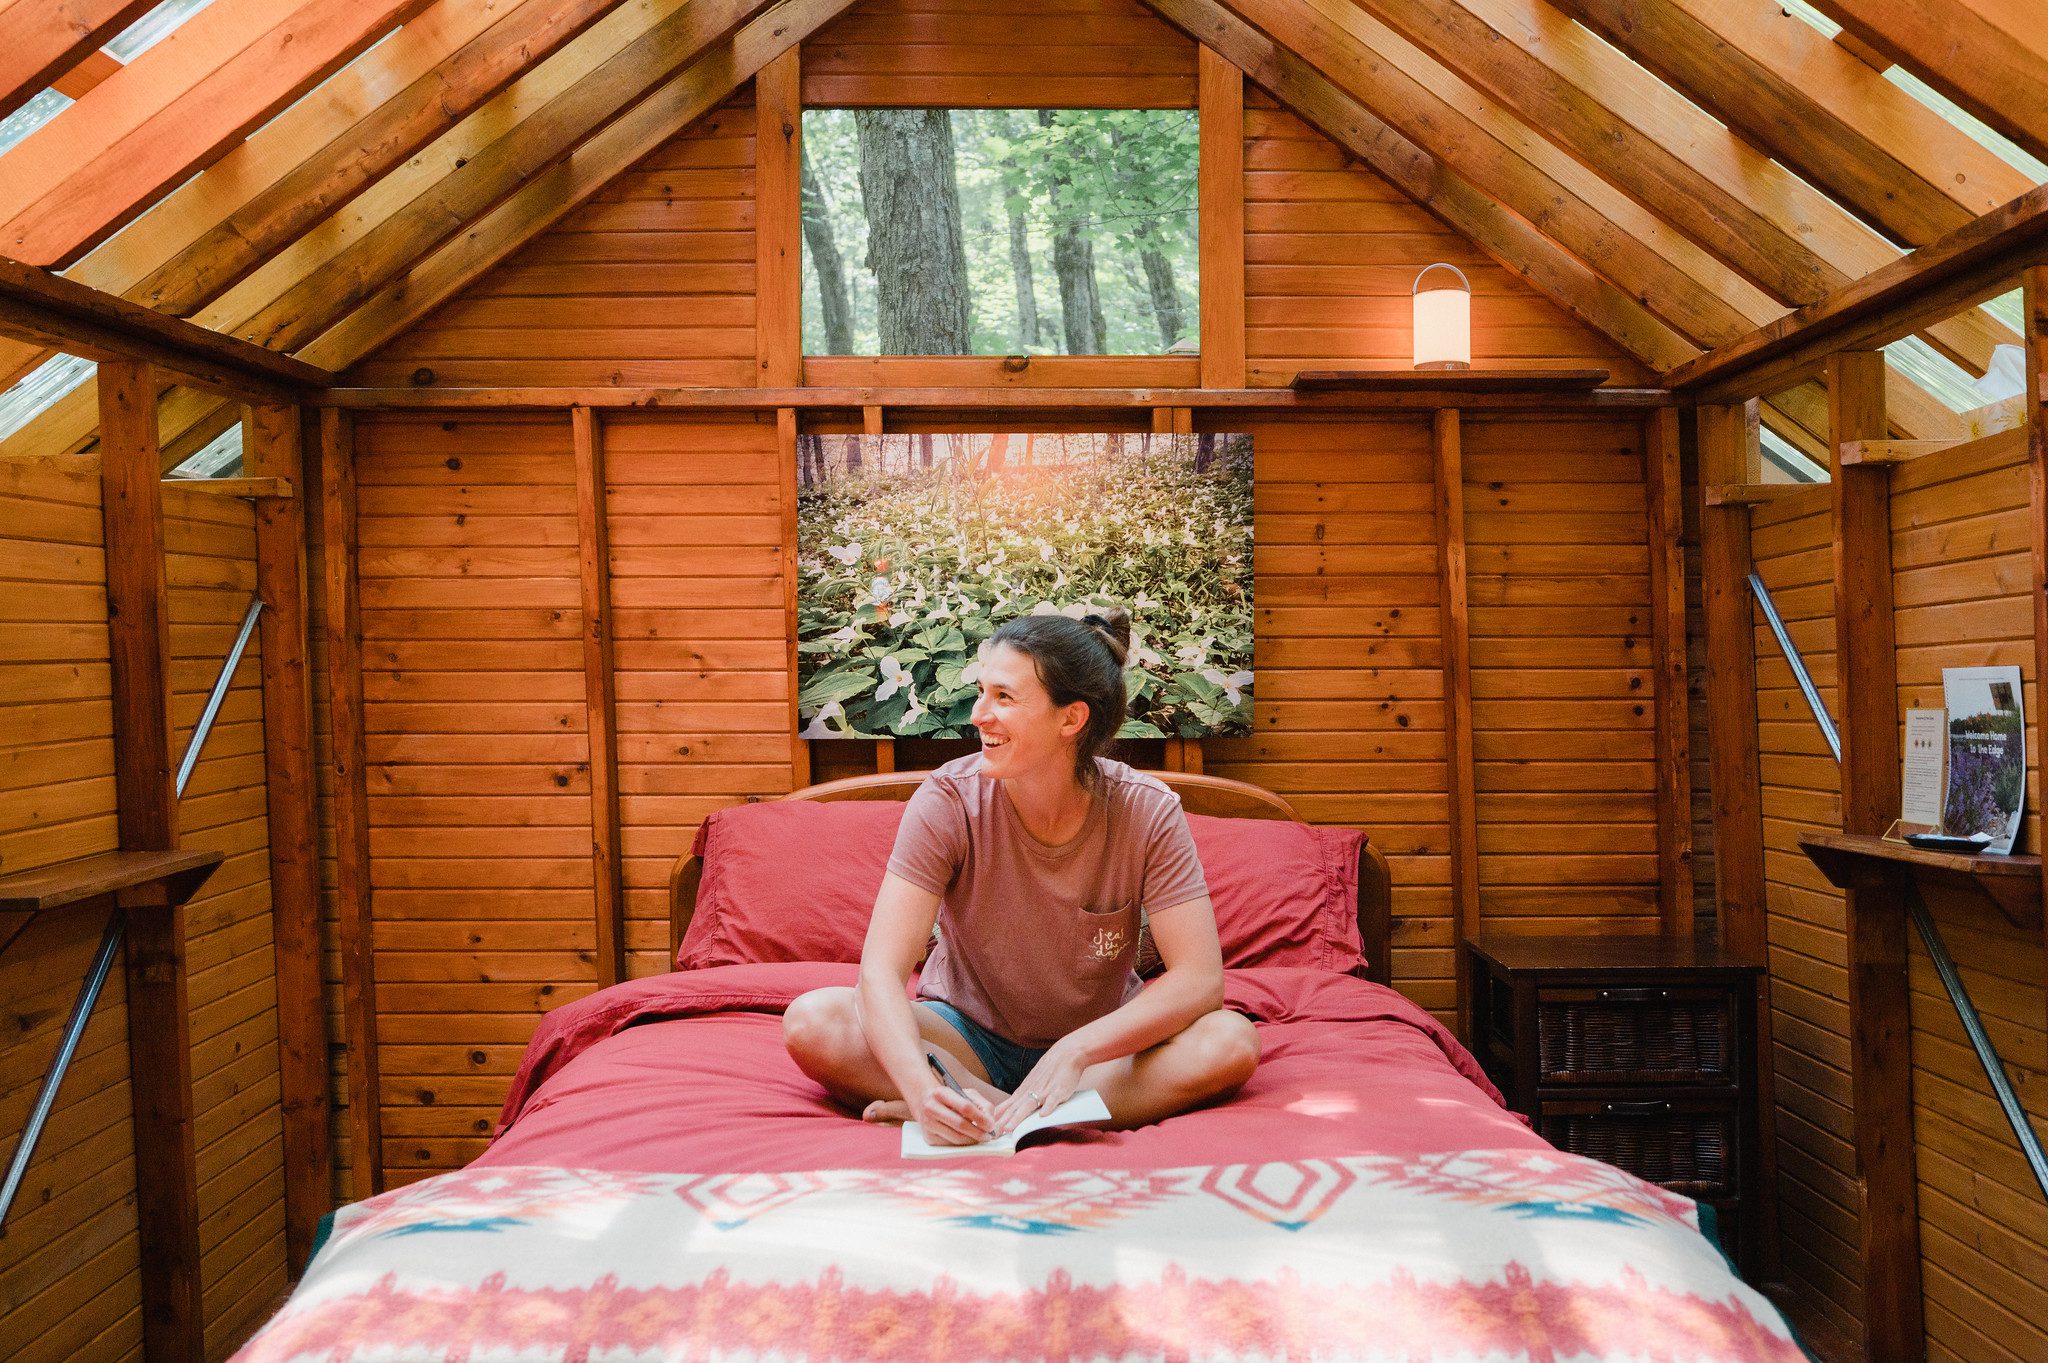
1108, 934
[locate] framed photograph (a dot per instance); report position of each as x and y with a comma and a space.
913, 549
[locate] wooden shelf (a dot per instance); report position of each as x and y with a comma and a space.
2012, 883
1457, 381
89, 878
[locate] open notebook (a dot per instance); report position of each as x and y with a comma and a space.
1085, 1106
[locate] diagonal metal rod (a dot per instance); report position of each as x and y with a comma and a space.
217, 695
1916, 908
110, 940
74, 1028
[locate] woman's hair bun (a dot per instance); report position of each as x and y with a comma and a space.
1113, 623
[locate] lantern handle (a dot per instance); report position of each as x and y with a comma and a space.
1440, 265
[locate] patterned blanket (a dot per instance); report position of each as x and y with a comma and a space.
1475, 1257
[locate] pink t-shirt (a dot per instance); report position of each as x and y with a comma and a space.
1034, 940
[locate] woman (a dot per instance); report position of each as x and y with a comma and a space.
1036, 856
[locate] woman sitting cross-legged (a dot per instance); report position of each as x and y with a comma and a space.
1036, 856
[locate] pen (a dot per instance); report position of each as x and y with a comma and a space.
946, 1078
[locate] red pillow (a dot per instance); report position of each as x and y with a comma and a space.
1285, 893
796, 880
788, 880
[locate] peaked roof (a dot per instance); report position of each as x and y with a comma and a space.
316, 175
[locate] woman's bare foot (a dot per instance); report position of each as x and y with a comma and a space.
887, 1110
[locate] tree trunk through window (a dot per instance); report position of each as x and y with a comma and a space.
1073, 260
912, 199
833, 308
1020, 268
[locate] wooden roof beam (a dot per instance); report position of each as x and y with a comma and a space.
40, 41
1627, 125
1512, 241
1964, 268
174, 111
1772, 78
50, 310
1990, 57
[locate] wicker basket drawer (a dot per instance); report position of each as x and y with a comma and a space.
1635, 1036
1685, 1144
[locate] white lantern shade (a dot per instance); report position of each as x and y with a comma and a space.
1443, 322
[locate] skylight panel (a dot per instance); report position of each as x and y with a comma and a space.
221, 457
1934, 371
1781, 455
152, 28
40, 389
18, 125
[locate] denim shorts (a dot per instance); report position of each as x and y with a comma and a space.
1006, 1062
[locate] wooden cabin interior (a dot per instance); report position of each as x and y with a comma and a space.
440, 366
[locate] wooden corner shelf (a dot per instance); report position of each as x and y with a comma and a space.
2012, 883
1449, 380
89, 878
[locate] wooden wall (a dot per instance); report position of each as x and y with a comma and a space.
1961, 557
69, 1283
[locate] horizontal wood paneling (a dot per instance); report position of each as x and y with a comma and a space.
1819, 1200
1961, 570
652, 281
1563, 677
1331, 252
1000, 54
69, 1284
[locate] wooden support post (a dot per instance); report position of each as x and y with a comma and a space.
1880, 1029
1727, 437
272, 450
1220, 190
2034, 304
159, 1031
1663, 486
593, 540
785, 454
1459, 775
344, 641
778, 223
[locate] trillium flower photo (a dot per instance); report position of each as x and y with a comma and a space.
913, 549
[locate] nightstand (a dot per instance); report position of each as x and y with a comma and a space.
1639, 1051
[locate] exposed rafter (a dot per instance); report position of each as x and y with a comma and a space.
41, 40
173, 111
1996, 67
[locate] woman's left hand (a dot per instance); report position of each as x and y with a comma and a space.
1051, 1082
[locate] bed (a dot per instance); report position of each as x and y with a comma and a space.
665, 1184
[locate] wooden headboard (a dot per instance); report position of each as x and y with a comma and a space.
1212, 795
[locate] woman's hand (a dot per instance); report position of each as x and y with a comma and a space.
951, 1119
1051, 1082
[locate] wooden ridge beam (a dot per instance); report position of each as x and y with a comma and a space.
1997, 71
1511, 240
1965, 267
172, 112
1784, 87
1448, 394
48, 309
563, 186
41, 41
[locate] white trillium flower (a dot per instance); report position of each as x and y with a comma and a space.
817, 728
1045, 552
1045, 608
894, 678
899, 618
881, 589
916, 710
845, 553
1232, 685
844, 635
1194, 654
1144, 602
971, 673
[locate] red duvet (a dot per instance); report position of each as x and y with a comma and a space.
687, 1072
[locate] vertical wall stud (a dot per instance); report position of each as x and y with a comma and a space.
1880, 1025
1726, 437
1666, 523
2036, 308
159, 1031
785, 454
344, 640
1447, 441
272, 447
778, 223
1220, 190
593, 539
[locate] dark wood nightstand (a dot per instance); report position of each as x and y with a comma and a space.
1640, 1051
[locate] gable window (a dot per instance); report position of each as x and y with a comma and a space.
1000, 231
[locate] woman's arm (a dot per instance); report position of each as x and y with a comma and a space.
897, 934
1191, 985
